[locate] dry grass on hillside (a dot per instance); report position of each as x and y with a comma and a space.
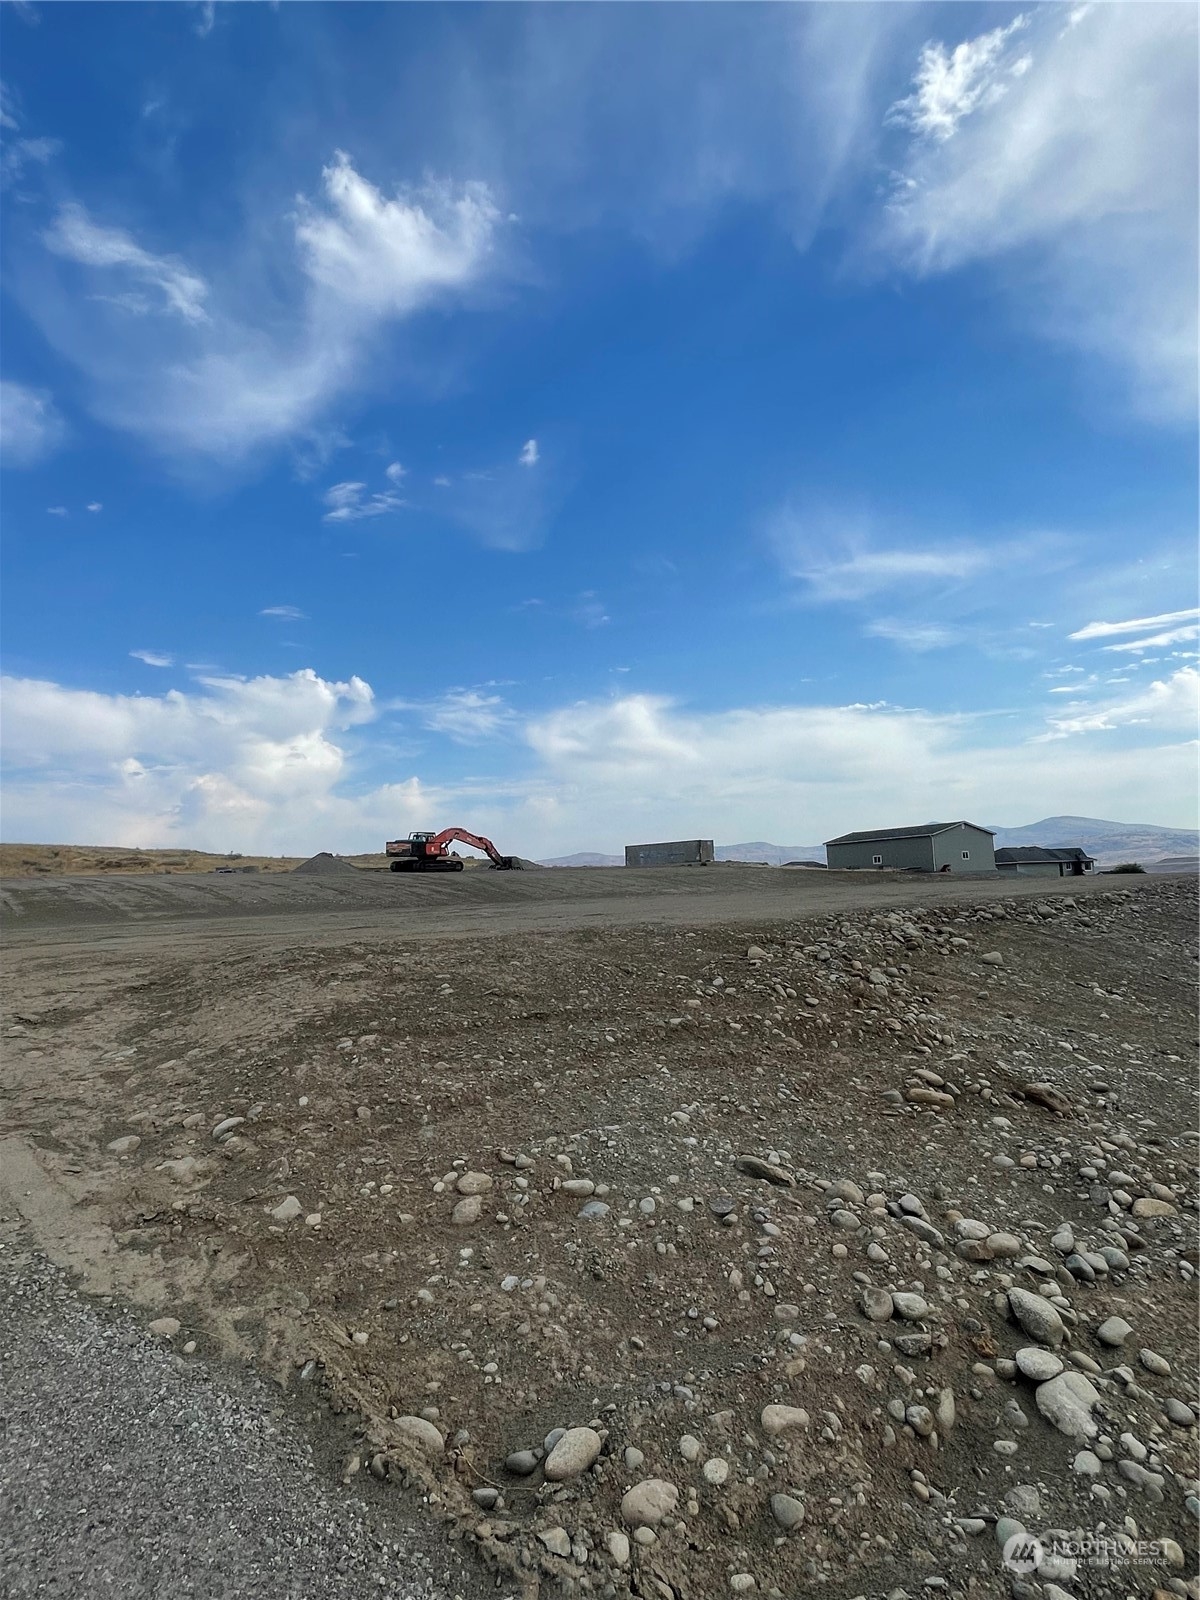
63, 860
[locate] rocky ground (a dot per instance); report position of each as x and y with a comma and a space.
813, 1254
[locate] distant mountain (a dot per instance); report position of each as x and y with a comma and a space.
1108, 842
586, 858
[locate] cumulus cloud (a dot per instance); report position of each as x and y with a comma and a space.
30, 425
283, 764
395, 473
1062, 152
214, 379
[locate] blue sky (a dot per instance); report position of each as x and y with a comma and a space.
596, 423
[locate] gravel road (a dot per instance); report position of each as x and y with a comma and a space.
128, 1470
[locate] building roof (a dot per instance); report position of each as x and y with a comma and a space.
924, 831
1027, 853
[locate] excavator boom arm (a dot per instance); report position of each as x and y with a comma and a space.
477, 842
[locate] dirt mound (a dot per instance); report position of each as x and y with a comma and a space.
521, 863
325, 864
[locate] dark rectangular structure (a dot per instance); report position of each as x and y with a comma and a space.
1062, 861
671, 853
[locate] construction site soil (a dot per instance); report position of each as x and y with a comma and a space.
846, 1222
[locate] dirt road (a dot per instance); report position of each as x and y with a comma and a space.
481, 1159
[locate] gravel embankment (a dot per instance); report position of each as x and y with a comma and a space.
127, 1470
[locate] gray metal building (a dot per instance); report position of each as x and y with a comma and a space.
672, 853
932, 847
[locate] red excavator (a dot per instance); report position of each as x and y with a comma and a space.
429, 852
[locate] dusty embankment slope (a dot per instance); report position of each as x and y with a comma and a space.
790, 1208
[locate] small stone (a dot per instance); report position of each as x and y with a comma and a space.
467, 1211
633, 1458
1038, 1364
1004, 1244
485, 1498
1024, 1502
581, 1187
690, 1447
715, 1471
617, 1544
992, 958
1067, 1402
783, 1419
876, 1304
556, 1540
1087, 1464
1146, 1207
287, 1210
1037, 1316
422, 1433
1181, 1415
125, 1146
1114, 1331
573, 1454
648, 1502
755, 1167
227, 1126
910, 1306
165, 1327
742, 1583
474, 1183
593, 1211
521, 1462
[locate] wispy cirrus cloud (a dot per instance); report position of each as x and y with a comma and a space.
153, 658
217, 379
1105, 630
1059, 149
181, 292
31, 427
1155, 641
840, 555
284, 613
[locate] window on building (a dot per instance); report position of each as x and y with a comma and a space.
876, 861
966, 855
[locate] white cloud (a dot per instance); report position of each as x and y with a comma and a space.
236, 366
396, 473
918, 636
153, 658
9, 117
18, 154
1103, 630
951, 84
467, 716
94, 505
203, 25
390, 257
30, 425
1167, 704
56, 511
349, 502
74, 235
837, 556
281, 763
1076, 176
284, 613
1156, 641
529, 453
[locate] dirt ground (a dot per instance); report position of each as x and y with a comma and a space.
481, 1157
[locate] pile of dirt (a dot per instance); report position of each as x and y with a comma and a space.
325, 863
522, 864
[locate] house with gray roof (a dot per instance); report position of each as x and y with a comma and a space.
929, 847
1032, 860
